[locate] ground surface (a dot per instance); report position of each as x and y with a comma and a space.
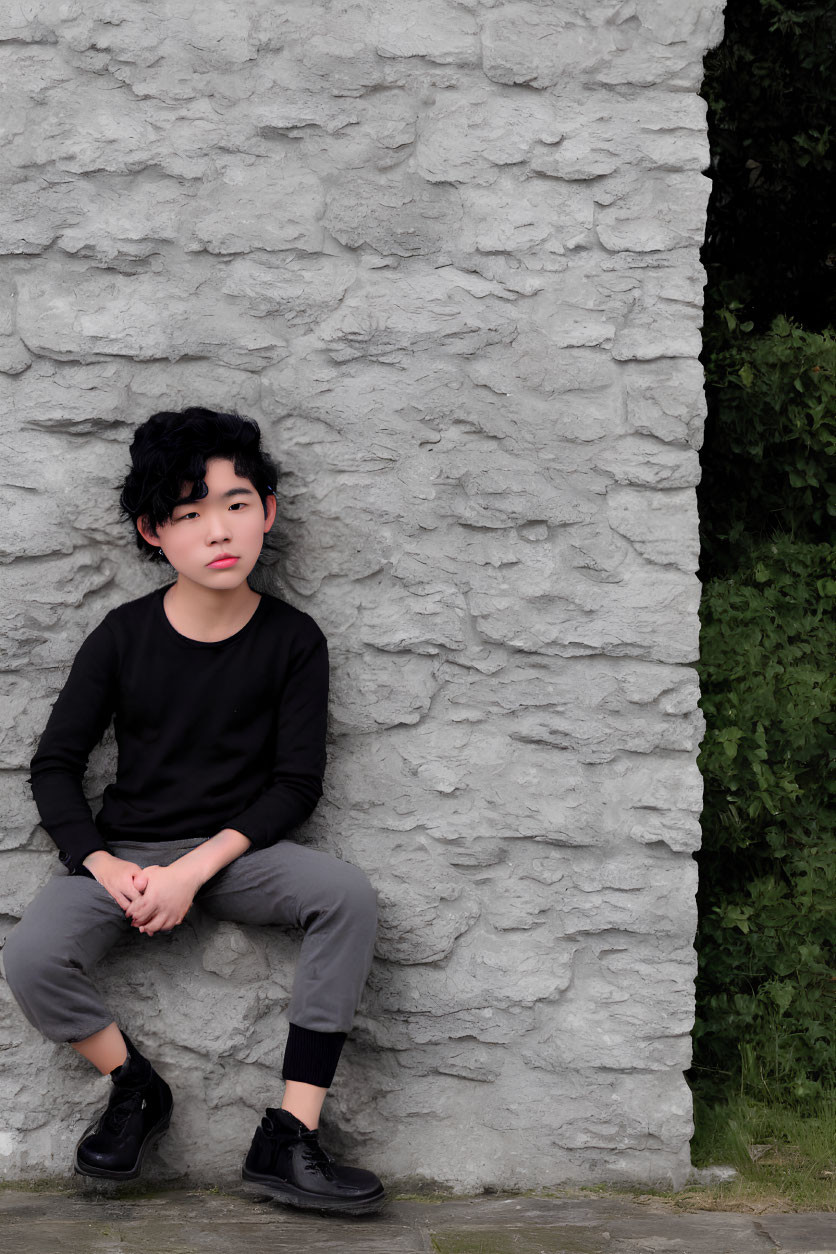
205, 1222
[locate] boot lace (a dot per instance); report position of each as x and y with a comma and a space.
316, 1158
123, 1103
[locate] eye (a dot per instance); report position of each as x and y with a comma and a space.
183, 517
238, 505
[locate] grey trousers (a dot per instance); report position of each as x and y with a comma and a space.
73, 922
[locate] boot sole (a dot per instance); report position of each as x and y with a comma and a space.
101, 1173
281, 1191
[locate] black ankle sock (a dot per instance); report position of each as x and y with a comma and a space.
311, 1057
135, 1067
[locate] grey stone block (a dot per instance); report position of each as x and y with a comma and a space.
448, 256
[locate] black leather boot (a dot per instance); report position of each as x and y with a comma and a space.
287, 1162
138, 1112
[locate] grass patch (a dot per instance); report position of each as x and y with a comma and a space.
785, 1156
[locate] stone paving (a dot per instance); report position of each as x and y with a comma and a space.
94, 1221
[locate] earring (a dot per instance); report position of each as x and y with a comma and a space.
161, 553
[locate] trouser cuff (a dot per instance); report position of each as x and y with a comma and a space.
311, 1057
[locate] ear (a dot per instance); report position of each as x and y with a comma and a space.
143, 526
269, 512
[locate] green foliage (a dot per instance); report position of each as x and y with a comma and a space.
769, 461
767, 501
766, 985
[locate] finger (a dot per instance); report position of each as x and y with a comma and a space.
142, 912
140, 882
120, 899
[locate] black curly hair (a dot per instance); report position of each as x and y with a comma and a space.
170, 450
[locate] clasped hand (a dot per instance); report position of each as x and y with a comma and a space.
157, 898
165, 894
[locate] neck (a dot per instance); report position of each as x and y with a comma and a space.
209, 613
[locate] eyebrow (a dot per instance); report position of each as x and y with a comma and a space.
189, 500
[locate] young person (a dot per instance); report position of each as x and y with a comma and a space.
219, 696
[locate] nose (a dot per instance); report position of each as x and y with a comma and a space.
217, 530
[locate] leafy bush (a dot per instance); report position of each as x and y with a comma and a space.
767, 500
766, 985
769, 463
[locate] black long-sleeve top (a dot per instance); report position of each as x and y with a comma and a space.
210, 735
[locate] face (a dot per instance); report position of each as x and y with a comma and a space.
215, 542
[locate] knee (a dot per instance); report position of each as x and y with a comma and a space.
18, 965
357, 897
29, 962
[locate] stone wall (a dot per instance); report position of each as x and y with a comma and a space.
447, 253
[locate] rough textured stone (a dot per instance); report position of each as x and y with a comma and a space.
448, 255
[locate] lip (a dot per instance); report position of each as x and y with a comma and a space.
222, 562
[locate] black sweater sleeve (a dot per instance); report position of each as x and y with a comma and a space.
77, 723
295, 783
